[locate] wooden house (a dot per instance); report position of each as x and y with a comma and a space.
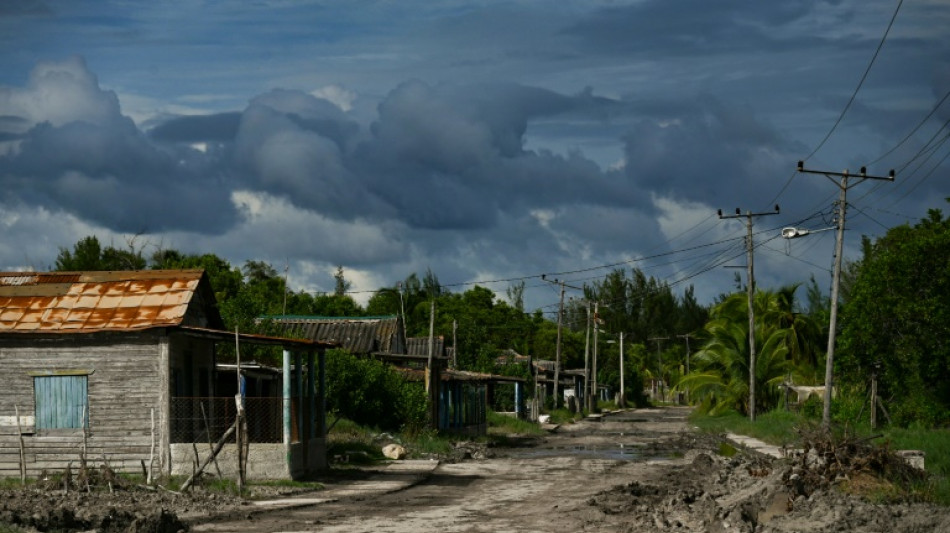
120, 367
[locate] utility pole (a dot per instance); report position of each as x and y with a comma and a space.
455, 345
659, 363
750, 247
560, 314
593, 386
623, 395
843, 187
431, 372
557, 360
587, 361
686, 336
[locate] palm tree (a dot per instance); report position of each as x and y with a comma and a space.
785, 340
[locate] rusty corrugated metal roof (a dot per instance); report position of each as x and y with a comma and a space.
357, 335
86, 302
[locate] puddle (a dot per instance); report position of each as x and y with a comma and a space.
622, 452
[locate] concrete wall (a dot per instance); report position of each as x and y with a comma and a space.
265, 461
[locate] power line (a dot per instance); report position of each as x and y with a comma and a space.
850, 100
860, 83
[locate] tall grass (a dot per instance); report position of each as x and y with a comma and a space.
935, 443
507, 425
775, 427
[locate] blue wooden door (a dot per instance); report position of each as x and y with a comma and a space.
61, 401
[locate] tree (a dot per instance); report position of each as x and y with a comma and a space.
785, 340
897, 321
88, 254
341, 286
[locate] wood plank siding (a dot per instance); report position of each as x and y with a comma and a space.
123, 379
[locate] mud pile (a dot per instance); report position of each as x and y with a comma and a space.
93, 504
747, 492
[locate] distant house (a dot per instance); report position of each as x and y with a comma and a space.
122, 365
462, 397
363, 335
571, 382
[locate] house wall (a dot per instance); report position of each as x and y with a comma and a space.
123, 388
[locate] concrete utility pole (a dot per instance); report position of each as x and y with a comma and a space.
659, 363
623, 394
686, 336
455, 345
587, 361
432, 373
593, 387
843, 186
557, 360
750, 246
560, 314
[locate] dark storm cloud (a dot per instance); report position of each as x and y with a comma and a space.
695, 27
111, 175
708, 152
453, 157
219, 127
84, 157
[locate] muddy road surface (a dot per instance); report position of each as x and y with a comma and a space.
544, 487
634, 471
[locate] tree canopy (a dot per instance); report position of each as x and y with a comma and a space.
896, 321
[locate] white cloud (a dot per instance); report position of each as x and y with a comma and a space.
337, 95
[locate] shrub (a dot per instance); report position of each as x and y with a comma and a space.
372, 393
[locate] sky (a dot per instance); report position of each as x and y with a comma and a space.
489, 142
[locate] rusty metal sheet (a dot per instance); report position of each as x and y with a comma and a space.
95, 301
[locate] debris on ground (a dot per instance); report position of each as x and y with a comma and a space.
752, 493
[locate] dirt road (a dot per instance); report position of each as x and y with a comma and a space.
633, 471
539, 488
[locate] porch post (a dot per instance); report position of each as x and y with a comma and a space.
311, 398
298, 394
322, 355
286, 396
519, 399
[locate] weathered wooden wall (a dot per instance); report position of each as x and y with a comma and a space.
123, 387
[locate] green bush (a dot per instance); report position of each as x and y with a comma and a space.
372, 393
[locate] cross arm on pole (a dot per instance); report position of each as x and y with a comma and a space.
862, 174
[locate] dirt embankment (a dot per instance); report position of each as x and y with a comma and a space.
747, 492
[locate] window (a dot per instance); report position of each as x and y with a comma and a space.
61, 402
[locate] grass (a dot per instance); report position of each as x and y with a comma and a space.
499, 424
935, 443
363, 445
775, 427
564, 416
778, 428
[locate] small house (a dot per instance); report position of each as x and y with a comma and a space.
121, 367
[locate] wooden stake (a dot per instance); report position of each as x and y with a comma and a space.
151, 452
19, 433
208, 431
215, 452
873, 401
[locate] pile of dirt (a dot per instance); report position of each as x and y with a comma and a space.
748, 492
78, 503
